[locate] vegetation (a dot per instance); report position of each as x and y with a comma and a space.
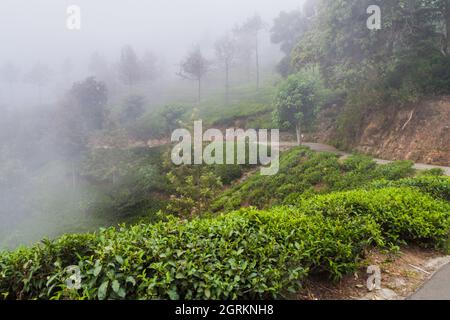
194, 67
244, 254
222, 231
304, 172
402, 62
298, 100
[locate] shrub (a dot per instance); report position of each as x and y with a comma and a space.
304, 172
403, 214
437, 187
395, 170
246, 254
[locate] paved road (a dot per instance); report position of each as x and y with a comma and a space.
437, 288
320, 147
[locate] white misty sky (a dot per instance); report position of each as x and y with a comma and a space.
35, 30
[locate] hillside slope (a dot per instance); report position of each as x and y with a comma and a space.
418, 132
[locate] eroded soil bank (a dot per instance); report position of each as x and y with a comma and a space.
418, 132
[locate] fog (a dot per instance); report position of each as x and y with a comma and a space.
41, 59
37, 31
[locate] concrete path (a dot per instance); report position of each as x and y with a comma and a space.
437, 288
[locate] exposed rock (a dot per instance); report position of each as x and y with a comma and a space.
382, 294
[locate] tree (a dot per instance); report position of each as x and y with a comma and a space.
195, 188
297, 102
90, 98
9, 74
133, 108
225, 53
287, 31
172, 116
349, 54
442, 14
149, 67
129, 68
39, 76
194, 67
66, 71
251, 30
82, 112
98, 67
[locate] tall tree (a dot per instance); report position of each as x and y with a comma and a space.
9, 74
195, 67
98, 67
298, 99
149, 67
225, 52
39, 76
129, 68
66, 71
81, 112
252, 29
133, 108
172, 116
287, 30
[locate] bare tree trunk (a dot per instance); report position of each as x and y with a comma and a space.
40, 94
257, 62
447, 31
227, 84
74, 176
199, 94
11, 93
299, 134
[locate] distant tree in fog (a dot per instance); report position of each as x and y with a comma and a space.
90, 98
39, 76
133, 108
67, 71
194, 67
287, 31
129, 68
149, 67
244, 51
226, 52
9, 74
172, 116
82, 111
249, 33
98, 67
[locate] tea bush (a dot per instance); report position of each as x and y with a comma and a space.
403, 214
303, 173
436, 186
245, 254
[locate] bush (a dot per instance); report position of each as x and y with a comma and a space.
437, 187
433, 172
304, 172
403, 214
246, 254
396, 170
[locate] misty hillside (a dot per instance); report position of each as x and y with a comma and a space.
92, 109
